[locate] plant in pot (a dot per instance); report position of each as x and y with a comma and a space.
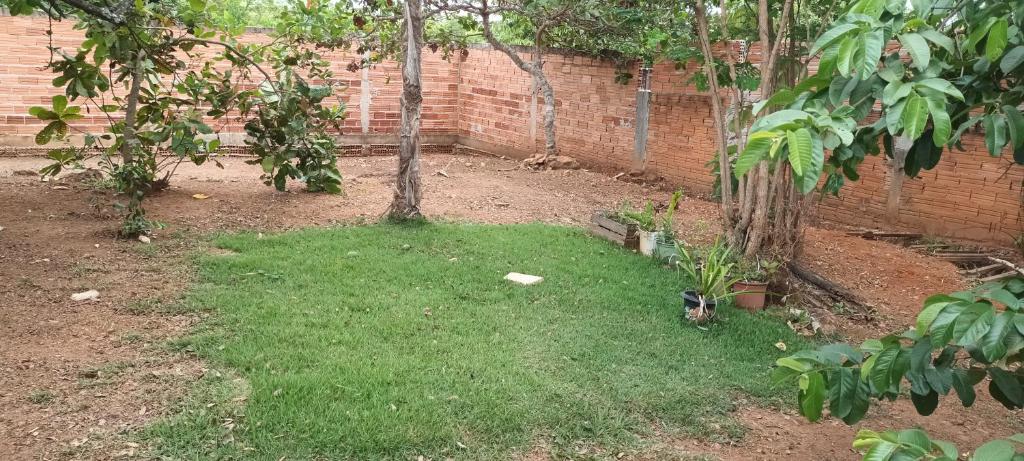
665, 249
645, 222
750, 290
710, 275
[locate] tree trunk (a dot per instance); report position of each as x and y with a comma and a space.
540, 81
537, 70
129, 141
718, 114
764, 215
550, 146
406, 202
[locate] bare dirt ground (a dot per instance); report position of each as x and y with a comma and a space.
76, 376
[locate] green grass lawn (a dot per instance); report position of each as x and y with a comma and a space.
326, 331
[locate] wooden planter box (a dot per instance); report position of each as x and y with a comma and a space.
626, 235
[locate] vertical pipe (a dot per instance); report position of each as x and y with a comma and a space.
892, 205
365, 98
643, 110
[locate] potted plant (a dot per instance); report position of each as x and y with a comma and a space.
646, 226
666, 244
750, 290
710, 276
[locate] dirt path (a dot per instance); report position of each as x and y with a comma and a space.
75, 375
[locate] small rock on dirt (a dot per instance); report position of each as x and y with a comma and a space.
563, 162
89, 174
85, 295
144, 239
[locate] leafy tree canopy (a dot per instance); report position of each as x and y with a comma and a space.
925, 70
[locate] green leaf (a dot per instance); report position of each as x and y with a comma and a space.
60, 102
757, 149
1005, 388
995, 133
807, 181
942, 328
915, 116
889, 368
799, 142
793, 364
966, 125
780, 120
830, 36
933, 305
916, 438
1012, 60
45, 135
941, 85
870, 8
197, 5
993, 344
782, 97
874, 42
812, 395
942, 126
1004, 297
917, 47
964, 387
895, 91
882, 451
43, 113
939, 39
996, 42
947, 449
268, 164
978, 33
1015, 125
925, 404
972, 324
780, 375
996, 450
861, 402
842, 392
847, 56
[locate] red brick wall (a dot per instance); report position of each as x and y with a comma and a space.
26, 83
968, 195
485, 99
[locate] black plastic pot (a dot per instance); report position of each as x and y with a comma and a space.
691, 301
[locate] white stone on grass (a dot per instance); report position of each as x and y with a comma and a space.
524, 278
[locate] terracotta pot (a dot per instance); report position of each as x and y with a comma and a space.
750, 295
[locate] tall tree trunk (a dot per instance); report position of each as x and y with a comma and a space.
540, 81
718, 114
406, 202
764, 217
550, 146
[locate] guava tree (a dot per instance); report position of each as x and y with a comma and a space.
761, 208
927, 71
529, 21
135, 67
